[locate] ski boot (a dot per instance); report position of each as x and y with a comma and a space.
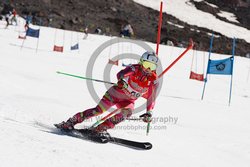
66, 126
101, 131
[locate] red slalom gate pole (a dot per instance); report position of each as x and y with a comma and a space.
159, 29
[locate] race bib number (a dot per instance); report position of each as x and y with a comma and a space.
131, 92
135, 94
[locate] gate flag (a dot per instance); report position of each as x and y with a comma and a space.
113, 62
221, 67
33, 33
195, 76
75, 47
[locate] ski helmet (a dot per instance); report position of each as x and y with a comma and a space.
149, 60
150, 57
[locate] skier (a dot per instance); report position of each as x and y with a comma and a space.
28, 20
7, 18
14, 19
85, 31
127, 31
133, 82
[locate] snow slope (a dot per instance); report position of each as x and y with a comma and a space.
185, 132
187, 12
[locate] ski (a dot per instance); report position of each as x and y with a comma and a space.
87, 134
84, 134
130, 143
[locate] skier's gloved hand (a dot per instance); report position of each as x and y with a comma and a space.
147, 117
122, 84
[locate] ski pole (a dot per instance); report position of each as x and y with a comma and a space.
139, 119
77, 76
148, 127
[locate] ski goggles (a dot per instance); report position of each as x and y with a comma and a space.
149, 65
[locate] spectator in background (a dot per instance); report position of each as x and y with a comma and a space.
7, 18
28, 21
127, 31
248, 55
170, 43
50, 20
85, 31
13, 19
98, 30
